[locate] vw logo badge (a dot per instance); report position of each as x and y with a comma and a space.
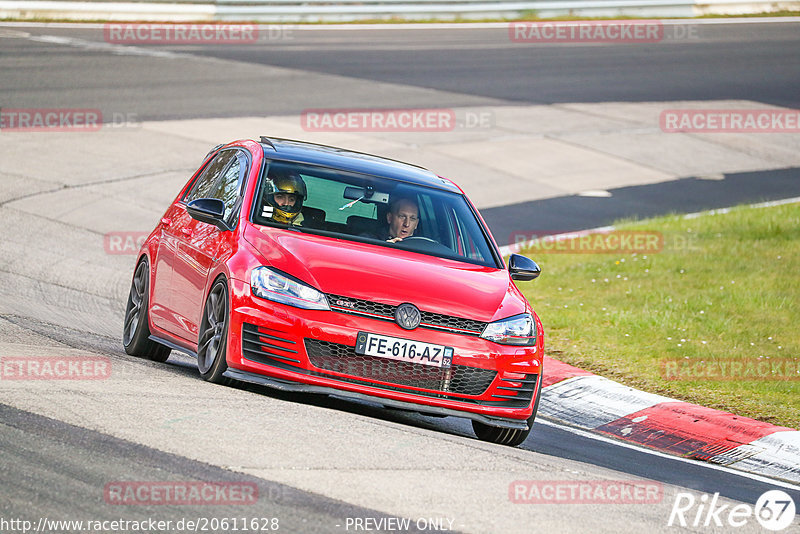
407, 316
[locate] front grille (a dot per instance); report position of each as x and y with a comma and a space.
458, 379
385, 312
275, 349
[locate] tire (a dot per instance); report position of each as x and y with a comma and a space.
508, 436
136, 329
213, 337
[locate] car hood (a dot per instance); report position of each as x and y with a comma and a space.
387, 275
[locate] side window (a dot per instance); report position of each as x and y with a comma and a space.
428, 226
204, 185
223, 179
232, 184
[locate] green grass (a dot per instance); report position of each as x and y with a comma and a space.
725, 287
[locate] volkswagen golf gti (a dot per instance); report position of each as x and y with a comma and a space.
310, 268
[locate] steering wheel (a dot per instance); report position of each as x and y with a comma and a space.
424, 244
418, 237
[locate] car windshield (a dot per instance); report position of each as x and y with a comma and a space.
372, 209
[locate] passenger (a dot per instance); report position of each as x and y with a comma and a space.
285, 194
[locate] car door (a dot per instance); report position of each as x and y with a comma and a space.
160, 312
198, 243
174, 224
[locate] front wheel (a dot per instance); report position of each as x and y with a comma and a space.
135, 331
213, 338
508, 436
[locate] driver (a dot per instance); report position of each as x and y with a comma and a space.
285, 193
403, 218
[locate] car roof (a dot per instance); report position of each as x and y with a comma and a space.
349, 160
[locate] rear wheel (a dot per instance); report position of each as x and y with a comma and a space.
136, 330
213, 338
508, 436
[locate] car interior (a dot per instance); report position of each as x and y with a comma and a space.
354, 206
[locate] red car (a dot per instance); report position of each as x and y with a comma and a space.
315, 269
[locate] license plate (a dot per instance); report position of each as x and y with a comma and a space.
404, 350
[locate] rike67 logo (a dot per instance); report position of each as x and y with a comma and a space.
774, 510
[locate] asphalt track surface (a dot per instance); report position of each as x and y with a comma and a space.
55, 468
687, 195
469, 67
712, 62
693, 62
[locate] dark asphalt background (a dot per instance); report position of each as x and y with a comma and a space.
756, 62
688, 195
722, 61
59, 470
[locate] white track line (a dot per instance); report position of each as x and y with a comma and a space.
99, 46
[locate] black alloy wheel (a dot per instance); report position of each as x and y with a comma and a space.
135, 331
211, 344
508, 436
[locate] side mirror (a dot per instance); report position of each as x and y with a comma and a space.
208, 210
522, 268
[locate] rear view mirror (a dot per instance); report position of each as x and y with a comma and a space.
366, 194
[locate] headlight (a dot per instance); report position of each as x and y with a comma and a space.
273, 285
517, 330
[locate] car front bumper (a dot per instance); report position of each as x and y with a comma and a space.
313, 351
